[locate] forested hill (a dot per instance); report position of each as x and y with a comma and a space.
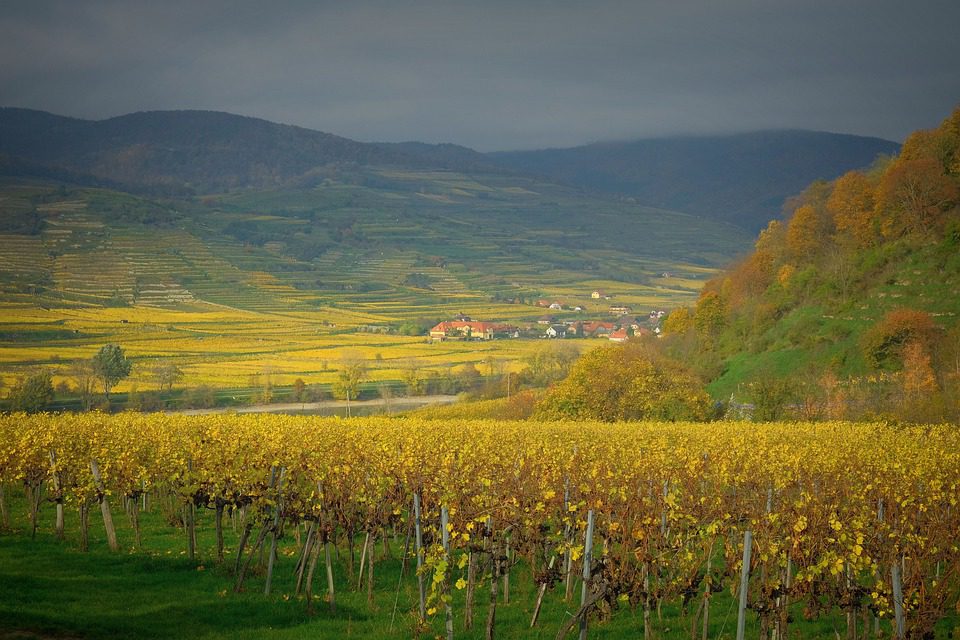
202, 151
742, 179
852, 303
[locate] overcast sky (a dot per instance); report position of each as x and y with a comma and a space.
495, 74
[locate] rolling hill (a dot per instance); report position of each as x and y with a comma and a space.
742, 179
183, 152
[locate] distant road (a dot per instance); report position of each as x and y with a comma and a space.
327, 406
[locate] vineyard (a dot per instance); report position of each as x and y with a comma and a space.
850, 526
279, 284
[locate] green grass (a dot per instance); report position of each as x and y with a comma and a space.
50, 589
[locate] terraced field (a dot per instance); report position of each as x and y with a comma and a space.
284, 284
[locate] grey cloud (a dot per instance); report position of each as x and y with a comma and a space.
495, 74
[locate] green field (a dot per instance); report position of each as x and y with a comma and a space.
50, 589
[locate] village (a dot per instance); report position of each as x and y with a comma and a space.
619, 325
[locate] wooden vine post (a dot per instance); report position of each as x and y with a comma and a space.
471, 587
494, 579
104, 507
445, 537
58, 492
541, 590
274, 533
744, 585
419, 550
898, 601
587, 561
567, 558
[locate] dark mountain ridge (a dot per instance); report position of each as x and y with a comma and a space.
740, 178
200, 150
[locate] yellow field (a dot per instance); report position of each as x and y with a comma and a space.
224, 347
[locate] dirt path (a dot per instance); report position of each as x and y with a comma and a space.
360, 406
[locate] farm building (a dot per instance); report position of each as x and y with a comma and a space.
620, 335
464, 330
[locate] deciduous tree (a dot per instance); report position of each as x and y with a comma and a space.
166, 374
913, 197
884, 342
353, 371
852, 206
626, 382
32, 394
679, 321
110, 366
806, 234
710, 317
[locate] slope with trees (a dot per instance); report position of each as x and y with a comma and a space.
852, 302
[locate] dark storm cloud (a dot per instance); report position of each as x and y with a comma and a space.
495, 74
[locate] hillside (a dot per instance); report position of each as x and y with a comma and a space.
498, 238
851, 306
200, 151
741, 179
243, 249
275, 285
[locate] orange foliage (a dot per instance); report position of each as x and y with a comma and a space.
785, 274
772, 239
851, 205
751, 276
805, 233
918, 376
913, 197
884, 343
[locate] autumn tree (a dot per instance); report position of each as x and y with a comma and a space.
353, 371
772, 397
32, 394
299, 390
914, 196
84, 382
709, 317
807, 234
468, 378
166, 374
110, 366
410, 373
772, 240
679, 321
884, 342
630, 381
851, 204
549, 362
918, 376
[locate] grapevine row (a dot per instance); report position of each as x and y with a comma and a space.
860, 517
